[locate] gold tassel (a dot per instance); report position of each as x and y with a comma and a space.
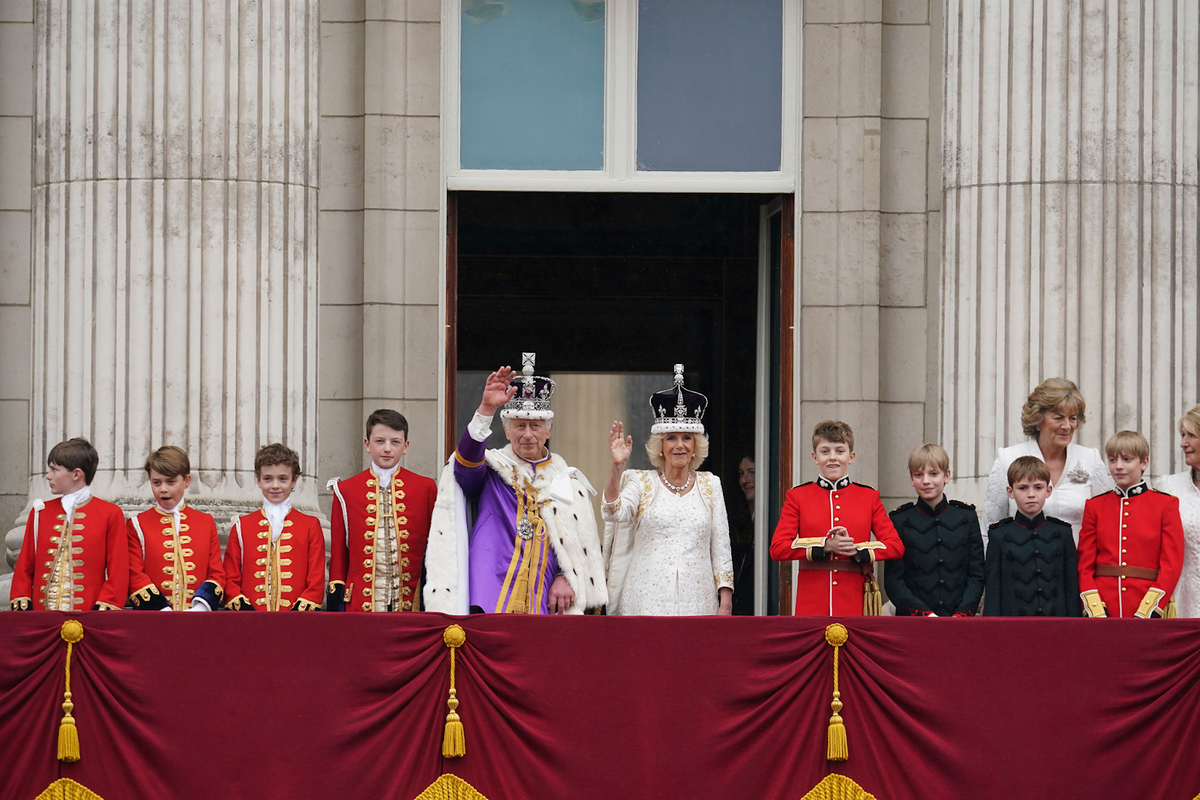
836, 635
454, 740
68, 734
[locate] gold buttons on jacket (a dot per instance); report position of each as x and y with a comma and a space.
371, 508
369, 549
366, 606
366, 563
371, 483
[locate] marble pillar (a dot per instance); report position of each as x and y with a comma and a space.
175, 240
1070, 231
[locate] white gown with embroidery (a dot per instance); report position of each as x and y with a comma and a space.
667, 554
1187, 591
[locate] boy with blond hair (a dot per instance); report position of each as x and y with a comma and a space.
941, 573
1131, 542
1030, 567
174, 552
75, 556
827, 525
275, 559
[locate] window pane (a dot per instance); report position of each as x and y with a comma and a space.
710, 85
532, 84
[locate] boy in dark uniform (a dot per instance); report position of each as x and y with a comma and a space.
1030, 567
1131, 542
941, 573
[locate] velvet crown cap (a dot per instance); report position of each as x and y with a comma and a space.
678, 410
532, 400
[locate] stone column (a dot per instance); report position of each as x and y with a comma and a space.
1070, 202
175, 238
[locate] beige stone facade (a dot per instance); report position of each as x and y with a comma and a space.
987, 193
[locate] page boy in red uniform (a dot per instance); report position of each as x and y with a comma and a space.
827, 524
75, 556
275, 559
380, 524
1131, 542
174, 552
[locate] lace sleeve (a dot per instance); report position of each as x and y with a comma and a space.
1100, 480
995, 500
721, 553
625, 507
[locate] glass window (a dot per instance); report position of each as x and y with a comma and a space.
710, 85
532, 84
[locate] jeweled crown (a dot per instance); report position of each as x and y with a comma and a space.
532, 400
678, 410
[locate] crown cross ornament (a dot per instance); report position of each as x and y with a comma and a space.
532, 399
687, 408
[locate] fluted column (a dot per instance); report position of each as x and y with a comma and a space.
1070, 202
175, 238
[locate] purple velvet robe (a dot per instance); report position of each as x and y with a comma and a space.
494, 534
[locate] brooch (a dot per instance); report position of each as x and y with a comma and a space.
1078, 475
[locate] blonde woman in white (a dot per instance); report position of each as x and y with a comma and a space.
1186, 486
666, 535
1050, 418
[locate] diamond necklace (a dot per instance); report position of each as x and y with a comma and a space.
677, 489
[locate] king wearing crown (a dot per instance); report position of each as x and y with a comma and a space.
513, 530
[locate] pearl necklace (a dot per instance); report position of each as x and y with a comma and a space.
677, 489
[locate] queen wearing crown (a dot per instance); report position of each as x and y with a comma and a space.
666, 535
513, 529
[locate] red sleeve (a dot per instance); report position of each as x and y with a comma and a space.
216, 570
1170, 557
885, 532
314, 591
339, 546
115, 590
233, 564
138, 579
1086, 550
787, 529
22, 581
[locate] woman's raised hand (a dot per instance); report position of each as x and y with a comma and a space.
497, 392
620, 445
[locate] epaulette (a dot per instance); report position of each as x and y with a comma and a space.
998, 523
961, 504
904, 507
1160, 491
1059, 521
863, 485
332, 481
1110, 491
806, 483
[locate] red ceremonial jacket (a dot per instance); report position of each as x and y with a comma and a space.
810, 511
99, 556
1139, 527
296, 559
155, 551
352, 560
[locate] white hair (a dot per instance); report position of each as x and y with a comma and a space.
654, 449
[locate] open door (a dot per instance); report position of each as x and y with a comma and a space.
773, 414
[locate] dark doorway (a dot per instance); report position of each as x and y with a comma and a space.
623, 284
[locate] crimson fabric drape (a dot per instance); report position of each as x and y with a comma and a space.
325, 705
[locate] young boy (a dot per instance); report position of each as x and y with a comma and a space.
1131, 542
75, 556
941, 573
380, 526
174, 552
826, 526
1030, 566
275, 559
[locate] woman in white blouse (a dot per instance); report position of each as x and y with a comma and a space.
1050, 418
666, 535
1186, 486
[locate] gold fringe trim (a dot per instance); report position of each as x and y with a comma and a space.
68, 734
450, 787
837, 750
837, 787
454, 739
67, 789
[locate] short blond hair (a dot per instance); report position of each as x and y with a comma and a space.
928, 455
1127, 443
654, 449
1051, 394
835, 431
1190, 418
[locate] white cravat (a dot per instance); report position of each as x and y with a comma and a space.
276, 514
75, 499
174, 512
384, 475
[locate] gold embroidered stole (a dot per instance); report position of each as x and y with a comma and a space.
530, 552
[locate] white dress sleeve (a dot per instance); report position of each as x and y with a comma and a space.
722, 556
625, 507
1100, 479
995, 500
